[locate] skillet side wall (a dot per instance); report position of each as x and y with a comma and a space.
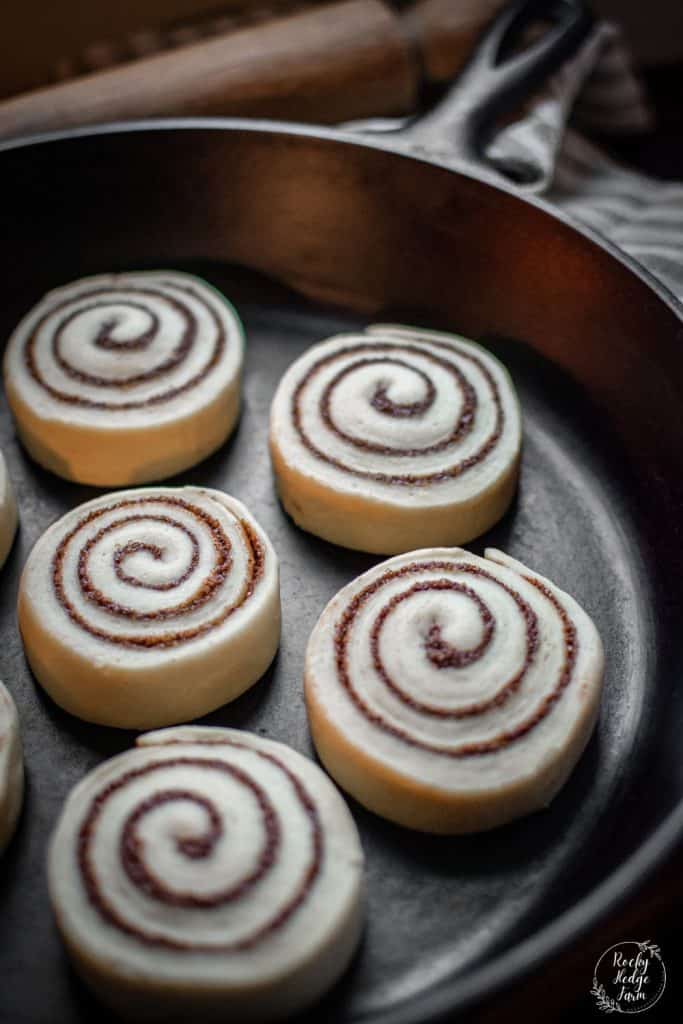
360, 228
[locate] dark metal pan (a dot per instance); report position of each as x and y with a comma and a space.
311, 232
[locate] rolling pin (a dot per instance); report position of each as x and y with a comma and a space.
324, 64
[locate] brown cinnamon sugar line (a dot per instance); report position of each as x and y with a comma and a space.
207, 589
496, 743
443, 655
103, 339
380, 401
131, 850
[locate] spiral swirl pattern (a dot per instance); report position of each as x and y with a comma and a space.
370, 406
439, 663
181, 561
141, 578
421, 421
122, 379
206, 841
229, 785
126, 342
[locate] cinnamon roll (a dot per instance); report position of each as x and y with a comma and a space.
11, 768
396, 438
151, 606
125, 378
452, 693
207, 874
8, 512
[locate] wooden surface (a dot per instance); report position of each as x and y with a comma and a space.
323, 63
35, 33
345, 60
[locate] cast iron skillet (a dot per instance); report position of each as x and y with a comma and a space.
310, 232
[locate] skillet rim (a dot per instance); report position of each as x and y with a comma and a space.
511, 966
363, 140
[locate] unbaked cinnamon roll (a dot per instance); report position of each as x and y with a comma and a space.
8, 512
395, 439
11, 768
207, 874
452, 693
152, 606
125, 378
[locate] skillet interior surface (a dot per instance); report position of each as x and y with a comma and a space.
597, 359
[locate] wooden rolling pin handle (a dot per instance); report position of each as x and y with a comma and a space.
335, 62
325, 64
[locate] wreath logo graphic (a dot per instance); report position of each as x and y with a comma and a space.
629, 977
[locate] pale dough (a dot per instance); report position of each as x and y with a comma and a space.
11, 768
395, 439
122, 379
8, 512
208, 874
452, 693
150, 607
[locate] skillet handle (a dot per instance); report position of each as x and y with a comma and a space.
492, 84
